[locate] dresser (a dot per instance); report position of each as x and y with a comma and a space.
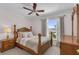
7, 44
69, 47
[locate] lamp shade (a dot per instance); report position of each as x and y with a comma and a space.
7, 29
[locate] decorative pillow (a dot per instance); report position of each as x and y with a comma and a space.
29, 34
25, 34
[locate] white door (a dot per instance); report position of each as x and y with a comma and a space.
58, 31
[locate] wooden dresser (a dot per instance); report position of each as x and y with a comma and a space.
7, 44
69, 47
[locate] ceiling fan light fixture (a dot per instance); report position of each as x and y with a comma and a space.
34, 11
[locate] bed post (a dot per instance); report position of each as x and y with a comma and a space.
39, 42
15, 33
51, 35
31, 28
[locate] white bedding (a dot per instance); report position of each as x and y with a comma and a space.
32, 42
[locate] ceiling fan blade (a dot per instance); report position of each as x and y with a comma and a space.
40, 10
34, 6
27, 8
37, 14
29, 13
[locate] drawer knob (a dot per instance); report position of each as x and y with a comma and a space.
77, 51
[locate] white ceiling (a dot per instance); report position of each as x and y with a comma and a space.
48, 7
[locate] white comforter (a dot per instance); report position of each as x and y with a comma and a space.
32, 42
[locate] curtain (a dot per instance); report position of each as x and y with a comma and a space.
62, 26
44, 27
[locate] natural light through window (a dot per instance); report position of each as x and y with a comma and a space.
52, 23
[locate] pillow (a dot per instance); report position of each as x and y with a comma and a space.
29, 35
22, 34
25, 34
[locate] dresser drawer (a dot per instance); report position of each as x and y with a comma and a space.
11, 41
68, 49
66, 52
11, 45
8, 44
5, 42
75, 48
5, 46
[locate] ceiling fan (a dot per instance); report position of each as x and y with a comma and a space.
33, 10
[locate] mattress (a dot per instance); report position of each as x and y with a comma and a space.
32, 42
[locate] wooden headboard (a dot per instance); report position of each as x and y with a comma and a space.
23, 29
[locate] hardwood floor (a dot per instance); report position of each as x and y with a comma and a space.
16, 51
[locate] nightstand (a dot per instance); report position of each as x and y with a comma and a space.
7, 44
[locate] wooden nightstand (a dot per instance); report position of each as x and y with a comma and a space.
7, 44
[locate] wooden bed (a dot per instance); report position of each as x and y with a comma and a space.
41, 48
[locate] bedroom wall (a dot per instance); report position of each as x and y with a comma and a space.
39, 25
36, 25
10, 18
44, 27
68, 24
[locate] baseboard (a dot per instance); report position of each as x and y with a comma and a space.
69, 36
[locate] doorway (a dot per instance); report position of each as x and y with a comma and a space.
54, 27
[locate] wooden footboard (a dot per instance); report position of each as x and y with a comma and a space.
26, 49
42, 49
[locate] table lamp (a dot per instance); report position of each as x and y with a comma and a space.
7, 30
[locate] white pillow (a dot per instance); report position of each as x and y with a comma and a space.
29, 34
22, 34
25, 34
